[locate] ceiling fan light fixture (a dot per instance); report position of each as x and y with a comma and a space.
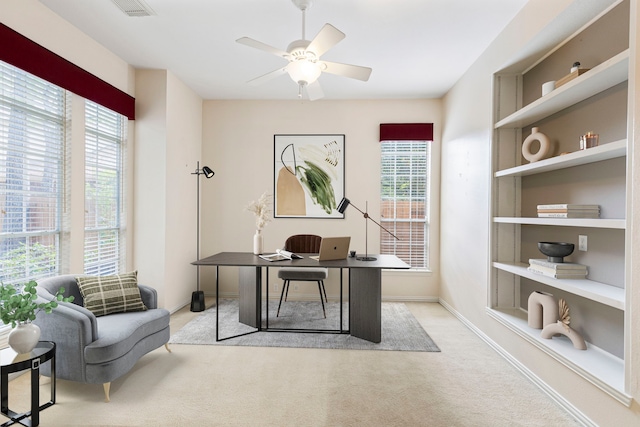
304, 65
304, 71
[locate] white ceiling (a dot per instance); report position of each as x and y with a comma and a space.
417, 48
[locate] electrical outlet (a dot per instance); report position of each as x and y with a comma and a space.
582, 243
295, 287
275, 287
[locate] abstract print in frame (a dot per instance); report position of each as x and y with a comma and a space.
308, 175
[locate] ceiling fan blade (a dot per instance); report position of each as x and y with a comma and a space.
269, 76
346, 70
262, 46
328, 37
314, 91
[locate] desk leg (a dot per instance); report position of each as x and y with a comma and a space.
217, 303
249, 289
365, 303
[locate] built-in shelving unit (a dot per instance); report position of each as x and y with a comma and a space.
598, 366
590, 289
608, 151
565, 222
604, 364
600, 78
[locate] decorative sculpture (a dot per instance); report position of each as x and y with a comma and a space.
542, 310
562, 327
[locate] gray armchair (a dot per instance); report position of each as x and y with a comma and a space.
98, 350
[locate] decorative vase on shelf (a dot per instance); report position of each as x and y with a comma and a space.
542, 310
257, 243
545, 146
24, 337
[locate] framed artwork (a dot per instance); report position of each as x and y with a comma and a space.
308, 175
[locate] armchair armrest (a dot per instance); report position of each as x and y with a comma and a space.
72, 328
85, 320
149, 296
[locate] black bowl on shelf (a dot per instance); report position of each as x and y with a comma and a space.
556, 251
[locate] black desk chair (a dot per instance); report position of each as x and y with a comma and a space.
303, 243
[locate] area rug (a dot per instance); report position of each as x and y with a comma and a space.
400, 329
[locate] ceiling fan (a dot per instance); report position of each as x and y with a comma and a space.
304, 65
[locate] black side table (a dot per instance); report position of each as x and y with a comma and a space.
11, 362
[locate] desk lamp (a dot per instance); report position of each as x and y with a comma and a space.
197, 297
342, 206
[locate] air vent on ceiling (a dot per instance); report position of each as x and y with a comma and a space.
134, 7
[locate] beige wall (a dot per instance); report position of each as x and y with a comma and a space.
168, 139
184, 137
150, 179
238, 144
466, 172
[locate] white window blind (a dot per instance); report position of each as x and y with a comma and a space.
405, 200
104, 141
32, 117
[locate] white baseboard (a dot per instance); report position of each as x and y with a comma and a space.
548, 390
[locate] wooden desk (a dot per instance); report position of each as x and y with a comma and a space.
365, 287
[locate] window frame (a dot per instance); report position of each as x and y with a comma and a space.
416, 252
105, 133
35, 111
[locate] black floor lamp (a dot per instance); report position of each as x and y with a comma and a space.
197, 297
344, 203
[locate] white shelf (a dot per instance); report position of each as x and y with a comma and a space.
590, 289
594, 364
602, 152
606, 75
619, 224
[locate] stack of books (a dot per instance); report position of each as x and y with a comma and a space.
558, 270
567, 210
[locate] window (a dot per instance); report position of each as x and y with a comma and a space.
103, 237
32, 119
405, 200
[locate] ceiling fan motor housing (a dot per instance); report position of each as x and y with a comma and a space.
298, 50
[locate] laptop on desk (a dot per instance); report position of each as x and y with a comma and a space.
333, 248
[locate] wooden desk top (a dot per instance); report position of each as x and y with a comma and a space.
247, 259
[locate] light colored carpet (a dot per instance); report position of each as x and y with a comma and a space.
400, 329
466, 384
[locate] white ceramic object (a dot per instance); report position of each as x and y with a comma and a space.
257, 243
24, 337
545, 146
542, 310
548, 87
559, 328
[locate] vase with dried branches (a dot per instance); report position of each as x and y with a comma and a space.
261, 208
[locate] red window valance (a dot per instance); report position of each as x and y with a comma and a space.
406, 132
21, 52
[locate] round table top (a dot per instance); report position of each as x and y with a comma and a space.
9, 357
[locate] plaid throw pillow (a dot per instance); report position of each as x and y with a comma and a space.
111, 294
